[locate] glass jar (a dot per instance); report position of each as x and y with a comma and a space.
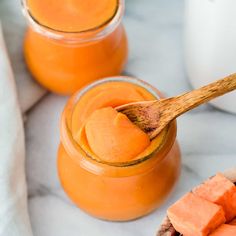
116, 191
63, 62
209, 54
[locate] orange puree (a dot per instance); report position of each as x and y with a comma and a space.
122, 140
93, 141
71, 43
72, 15
106, 164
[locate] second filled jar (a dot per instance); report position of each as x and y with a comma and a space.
71, 43
106, 164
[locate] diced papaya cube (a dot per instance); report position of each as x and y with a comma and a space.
221, 191
195, 216
225, 230
233, 222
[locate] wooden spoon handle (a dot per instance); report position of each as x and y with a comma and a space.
190, 100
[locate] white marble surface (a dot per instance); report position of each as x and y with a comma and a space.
206, 135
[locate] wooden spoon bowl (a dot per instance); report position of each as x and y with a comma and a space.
153, 116
167, 229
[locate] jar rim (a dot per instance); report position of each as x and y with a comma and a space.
75, 148
87, 35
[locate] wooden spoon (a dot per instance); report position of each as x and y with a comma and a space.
153, 116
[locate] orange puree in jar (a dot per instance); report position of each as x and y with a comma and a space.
106, 164
70, 43
72, 15
122, 140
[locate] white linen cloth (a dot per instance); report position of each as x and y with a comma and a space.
14, 24
14, 219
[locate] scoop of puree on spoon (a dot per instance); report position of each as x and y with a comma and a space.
153, 116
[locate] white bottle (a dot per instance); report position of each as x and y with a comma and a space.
210, 38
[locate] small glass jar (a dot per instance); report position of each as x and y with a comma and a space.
112, 191
63, 62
